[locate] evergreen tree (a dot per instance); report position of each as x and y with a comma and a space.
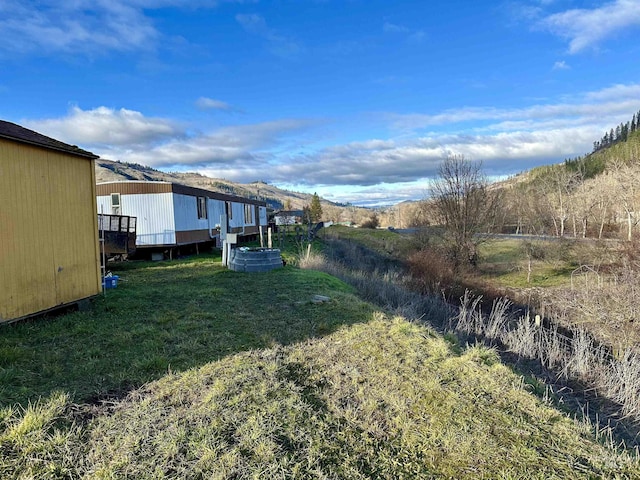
306, 215
315, 209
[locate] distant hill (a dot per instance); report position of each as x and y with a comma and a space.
276, 198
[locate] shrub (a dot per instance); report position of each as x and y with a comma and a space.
431, 270
372, 223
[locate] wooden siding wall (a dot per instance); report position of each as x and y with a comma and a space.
49, 252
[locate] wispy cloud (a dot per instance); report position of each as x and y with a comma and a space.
389, 27
585, 28
278, 44
561, 65
616, 93
83, 26
410, 34
205, 103
614, 101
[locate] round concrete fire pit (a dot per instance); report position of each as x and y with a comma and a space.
254, 259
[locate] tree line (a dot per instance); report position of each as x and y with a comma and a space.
619, 134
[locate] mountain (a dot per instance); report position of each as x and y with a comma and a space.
276, 198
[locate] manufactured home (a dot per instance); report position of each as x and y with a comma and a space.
49, 253
172, 215
289, 217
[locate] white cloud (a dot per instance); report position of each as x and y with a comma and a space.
226, 150
379, 195
561, 65
419, 158
355, 172
129, 136
513, 140
106, 126
586, 28
616, 92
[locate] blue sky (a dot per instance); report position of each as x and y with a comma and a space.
356, 100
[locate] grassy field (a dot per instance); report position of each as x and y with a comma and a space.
502, 262
380, 240
215, 374
164, 316
505, 262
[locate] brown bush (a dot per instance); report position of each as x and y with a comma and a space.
373, 222
431, 270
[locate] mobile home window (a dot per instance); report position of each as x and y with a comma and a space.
202, 207
115, 203
248, 214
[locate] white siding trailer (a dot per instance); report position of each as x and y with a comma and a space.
170, 215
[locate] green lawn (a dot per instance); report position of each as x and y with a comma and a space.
242, 376
166, 316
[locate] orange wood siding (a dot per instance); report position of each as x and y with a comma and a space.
49, 252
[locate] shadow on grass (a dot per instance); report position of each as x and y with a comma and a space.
167, 316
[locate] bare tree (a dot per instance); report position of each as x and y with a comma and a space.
626, 177
463, 205
555, 186
604, 197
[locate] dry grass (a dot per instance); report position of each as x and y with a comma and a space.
376, 280
575, 357
388, 399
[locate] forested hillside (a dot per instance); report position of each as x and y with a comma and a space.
595, 195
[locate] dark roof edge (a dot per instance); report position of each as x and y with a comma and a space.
188, 190
181, 189
17, 133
